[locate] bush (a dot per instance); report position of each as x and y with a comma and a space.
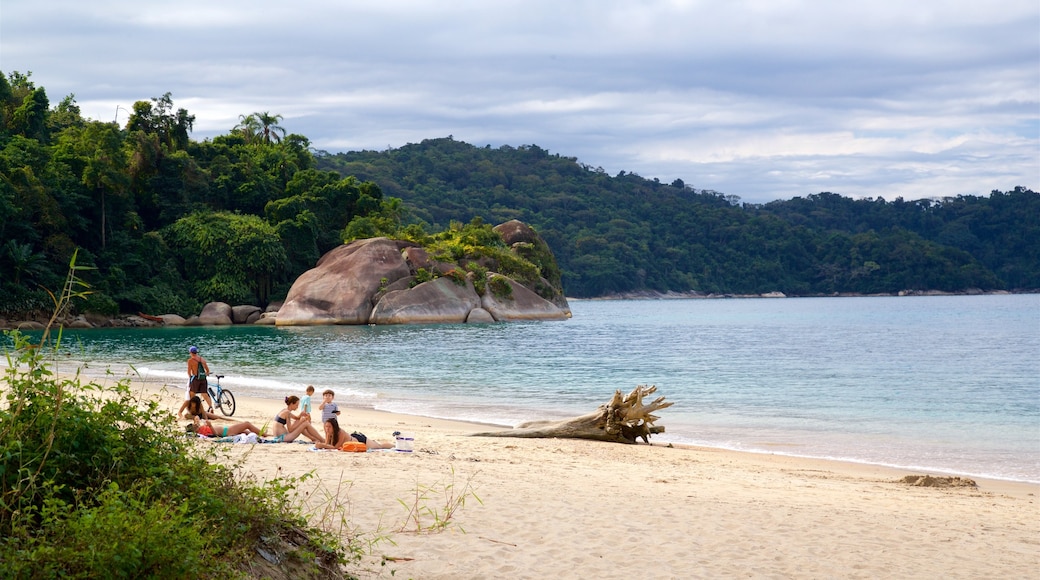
95, 483
500, 287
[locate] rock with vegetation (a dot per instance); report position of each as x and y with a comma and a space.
472, 269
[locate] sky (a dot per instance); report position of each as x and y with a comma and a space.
762, 99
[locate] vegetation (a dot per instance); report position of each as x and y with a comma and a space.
96, 484
169, 223
624, 233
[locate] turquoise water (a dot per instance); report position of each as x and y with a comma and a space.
939, 384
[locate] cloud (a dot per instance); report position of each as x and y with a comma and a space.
756, 98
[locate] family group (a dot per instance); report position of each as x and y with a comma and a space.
289, 423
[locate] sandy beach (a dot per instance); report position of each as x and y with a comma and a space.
582, 509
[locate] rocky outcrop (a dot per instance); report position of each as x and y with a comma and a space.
339, 289
375, 281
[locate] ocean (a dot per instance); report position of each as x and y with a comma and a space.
935, 384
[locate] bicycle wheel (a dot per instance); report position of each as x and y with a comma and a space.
227, 403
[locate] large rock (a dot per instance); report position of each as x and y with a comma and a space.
370, 281
522, 304
216, 314
437, 301
245, 314
172, 320
339, 289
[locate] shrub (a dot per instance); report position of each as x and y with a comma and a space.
500, 287
95, 483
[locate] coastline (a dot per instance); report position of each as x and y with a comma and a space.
574, 508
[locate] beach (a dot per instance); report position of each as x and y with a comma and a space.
534, 508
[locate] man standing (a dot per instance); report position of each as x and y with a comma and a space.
198, 368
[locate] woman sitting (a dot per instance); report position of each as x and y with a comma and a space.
336, 437
289, 426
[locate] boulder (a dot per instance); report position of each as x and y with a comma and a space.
437, 301
478, 316
402, 284
339, 289
79, 322
241, 314
267, 319
514, 231
416, 258
274, 306
523, 304
172, 319
216, 314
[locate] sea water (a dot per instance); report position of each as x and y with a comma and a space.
939, 384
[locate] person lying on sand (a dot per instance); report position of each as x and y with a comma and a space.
336, 437
205, 428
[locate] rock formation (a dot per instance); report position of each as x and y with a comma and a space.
375, 281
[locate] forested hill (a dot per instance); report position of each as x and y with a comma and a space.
625, 233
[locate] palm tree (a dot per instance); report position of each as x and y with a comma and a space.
269, 128
248, 126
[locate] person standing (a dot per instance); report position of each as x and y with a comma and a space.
198, 368
305, 402
328, 408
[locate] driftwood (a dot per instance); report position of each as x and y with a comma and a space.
623, 420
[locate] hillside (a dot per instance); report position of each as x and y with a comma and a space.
626, 233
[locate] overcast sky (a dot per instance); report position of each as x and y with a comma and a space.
764, 99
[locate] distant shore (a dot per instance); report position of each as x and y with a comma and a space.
136, 320
654, 295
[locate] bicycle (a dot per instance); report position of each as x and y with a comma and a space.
222, 397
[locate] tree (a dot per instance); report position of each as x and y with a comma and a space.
260, 126
228, 257
158, 118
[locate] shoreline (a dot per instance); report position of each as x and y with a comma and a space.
172, 394
530, 508
158, 383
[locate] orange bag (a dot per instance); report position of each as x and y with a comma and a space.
354, 446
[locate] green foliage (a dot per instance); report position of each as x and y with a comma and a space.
96, 483
457, 276
480, 277
422, 275
500, 287
100, 304
227, 256
624, 233
114, 193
